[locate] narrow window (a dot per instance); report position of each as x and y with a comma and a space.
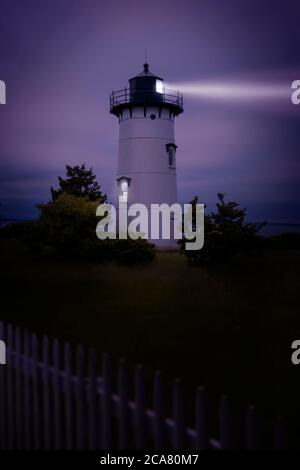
123, 184
171, 150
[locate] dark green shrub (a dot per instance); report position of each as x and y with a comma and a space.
283, 241
226, 235
131, 251
66, 228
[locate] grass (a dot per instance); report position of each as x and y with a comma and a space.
229, 328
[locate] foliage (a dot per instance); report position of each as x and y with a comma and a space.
283, 241
121, 251
15, 231
226, 234
79, 182
67, 221
66, 227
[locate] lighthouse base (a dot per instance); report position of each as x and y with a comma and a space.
167, 248
160, 229
165, 245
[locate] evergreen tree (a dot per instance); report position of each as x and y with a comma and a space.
226, 233
79, 182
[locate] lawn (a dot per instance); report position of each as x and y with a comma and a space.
228, 328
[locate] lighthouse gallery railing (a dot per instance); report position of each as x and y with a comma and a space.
127, 96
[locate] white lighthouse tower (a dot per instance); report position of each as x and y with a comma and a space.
146, 171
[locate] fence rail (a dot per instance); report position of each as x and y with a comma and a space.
51, 398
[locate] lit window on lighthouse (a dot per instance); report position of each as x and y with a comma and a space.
159, 86
123, 196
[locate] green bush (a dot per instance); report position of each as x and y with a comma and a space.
66, 227
121, 251
16, 230
226, 235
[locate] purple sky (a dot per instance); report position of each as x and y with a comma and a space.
60, 60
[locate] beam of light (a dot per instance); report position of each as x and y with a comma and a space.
234, 91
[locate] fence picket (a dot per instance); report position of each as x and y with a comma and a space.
123, 418
202, 440
280, 437
92, 395
36, 398
18, 370
10, 394
226, 424
251, 429
26, 403
140, 410
106, 427
79, 399
2, 395
178, 416
46, 396
158, 408
57, 394
68, 396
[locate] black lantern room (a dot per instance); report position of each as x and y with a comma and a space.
146, 89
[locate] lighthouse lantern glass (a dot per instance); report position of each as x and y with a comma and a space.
159, 86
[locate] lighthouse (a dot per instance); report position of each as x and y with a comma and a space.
147, 152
